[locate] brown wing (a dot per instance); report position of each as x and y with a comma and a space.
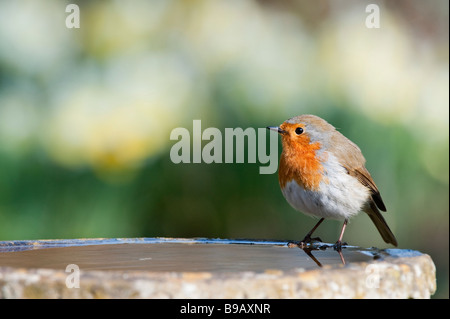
364, 177
353, 161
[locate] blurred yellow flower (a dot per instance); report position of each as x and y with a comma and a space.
118, 123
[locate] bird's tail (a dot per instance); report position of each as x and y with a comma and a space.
381, 224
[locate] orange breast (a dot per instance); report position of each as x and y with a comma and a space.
299, 162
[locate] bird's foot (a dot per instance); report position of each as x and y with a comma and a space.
338, 245
304, 243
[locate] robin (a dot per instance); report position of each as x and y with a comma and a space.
322, 174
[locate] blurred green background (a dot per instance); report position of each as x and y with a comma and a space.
86, 114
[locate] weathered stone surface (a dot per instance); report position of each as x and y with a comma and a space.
400, 274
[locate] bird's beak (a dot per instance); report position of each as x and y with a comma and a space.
276, 129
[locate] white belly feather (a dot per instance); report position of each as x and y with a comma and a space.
341, 196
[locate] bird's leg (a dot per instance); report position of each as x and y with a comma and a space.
308, 238
338, 245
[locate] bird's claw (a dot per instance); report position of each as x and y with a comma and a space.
304, 243
338, 245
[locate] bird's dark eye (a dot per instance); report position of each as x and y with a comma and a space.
299, 130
